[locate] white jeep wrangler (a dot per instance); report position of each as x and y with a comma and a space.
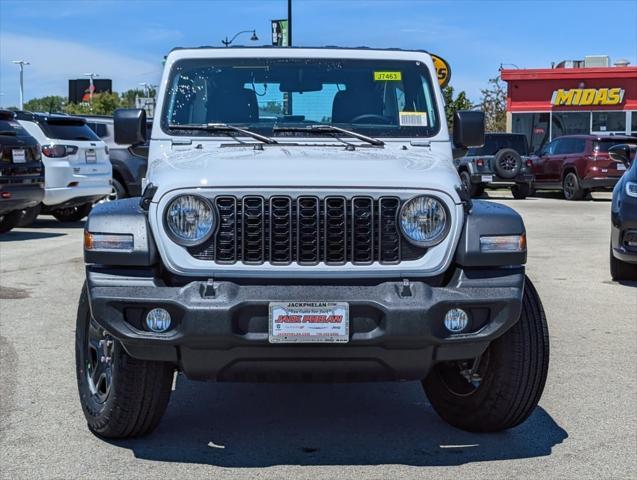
302, 220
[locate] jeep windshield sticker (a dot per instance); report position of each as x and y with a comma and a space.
413, 119
388, 76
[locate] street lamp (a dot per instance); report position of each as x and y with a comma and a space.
21, 63
90, 76
148, 87
253, 38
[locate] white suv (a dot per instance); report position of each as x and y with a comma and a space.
302, 220
76, 164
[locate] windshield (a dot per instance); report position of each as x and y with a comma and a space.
494, 143
379, 98
67, 130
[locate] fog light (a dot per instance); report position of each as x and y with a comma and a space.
158, 320
456, 320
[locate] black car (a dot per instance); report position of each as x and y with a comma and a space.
623, 238
21, 171
129, 161
503, 161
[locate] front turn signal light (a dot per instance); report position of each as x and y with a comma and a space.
503, 243
120, 242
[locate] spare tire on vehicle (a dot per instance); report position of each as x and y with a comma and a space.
507, 163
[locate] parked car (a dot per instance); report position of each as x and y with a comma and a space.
579, 164
503, 161
77, 168
21, 171
129, 161
328, 242
623, 238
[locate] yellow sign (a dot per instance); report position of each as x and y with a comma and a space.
443, 70
388, 76
587, 96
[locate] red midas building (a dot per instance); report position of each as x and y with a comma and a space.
574, 97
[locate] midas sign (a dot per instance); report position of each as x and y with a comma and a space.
588, 96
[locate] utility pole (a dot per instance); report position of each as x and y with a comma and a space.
90, 76
21, 63
289, 23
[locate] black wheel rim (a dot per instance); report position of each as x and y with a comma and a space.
464, 377
569, 186
508, 163
99, 362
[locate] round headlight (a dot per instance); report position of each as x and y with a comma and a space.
189, 219
424, 221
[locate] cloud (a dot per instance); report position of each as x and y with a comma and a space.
54, 62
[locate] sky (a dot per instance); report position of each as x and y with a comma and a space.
126, 40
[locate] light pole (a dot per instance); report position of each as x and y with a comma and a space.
148, 87
90, 76
254, 37
21, 63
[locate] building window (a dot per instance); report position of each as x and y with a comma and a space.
609, 122
571, 123
534, 125
633, 123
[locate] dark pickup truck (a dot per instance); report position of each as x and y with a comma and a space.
21, 171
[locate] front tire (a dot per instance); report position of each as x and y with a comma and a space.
121, 397
72, 214
29, 215
8, 221
622, 271
521, 190
475, 190
505, 387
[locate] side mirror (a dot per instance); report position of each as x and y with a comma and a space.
468, 129
130, 126
624, 153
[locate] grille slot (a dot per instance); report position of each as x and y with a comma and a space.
307, 230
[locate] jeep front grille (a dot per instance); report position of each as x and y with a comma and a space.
307, 230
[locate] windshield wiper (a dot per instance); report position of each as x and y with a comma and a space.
333, 130
223, 128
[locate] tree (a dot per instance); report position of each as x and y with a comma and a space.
102, 104
461, 102
51, 103
128, 97
494, 103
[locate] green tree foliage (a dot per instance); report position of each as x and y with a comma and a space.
51, 103
102, 104
128, 97
493, 104
452, 105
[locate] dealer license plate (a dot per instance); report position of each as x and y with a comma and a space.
487, 178
91, 156
309, 322
19, 155
621, 166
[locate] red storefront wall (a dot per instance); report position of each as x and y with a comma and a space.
531, 90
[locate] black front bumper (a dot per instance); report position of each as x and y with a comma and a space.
623, 224
19, 196
221, 329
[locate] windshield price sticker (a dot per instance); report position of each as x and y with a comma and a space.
412, 119
388, 76
309, 322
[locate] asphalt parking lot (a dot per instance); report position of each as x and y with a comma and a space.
585, 426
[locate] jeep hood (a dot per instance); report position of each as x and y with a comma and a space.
396, 166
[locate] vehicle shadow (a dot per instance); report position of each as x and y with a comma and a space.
261, 425
21, 234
